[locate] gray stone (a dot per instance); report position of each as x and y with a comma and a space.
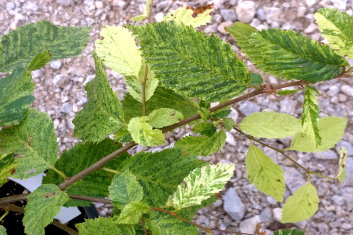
65, 3
233, 204
228, 15
288, 105
249, 107
249, 225
349, 172
348, 90
340, 4
246, 11
333, 90
222, 27
293, 178
277, 214
59, 80
310, 3
338, 199
66, 108
56, 64
10, 6
260, 14
272, 14
266, 215
346, 145
230, 139
327, 155
211, 28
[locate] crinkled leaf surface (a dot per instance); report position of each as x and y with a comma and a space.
289, 232
270, 125
200, 185
186, 16
143, 133
264, 173
102, 115
18, 48
132, 212
160, 173
191, 62
287, 54
80, 157
104, 226
341, 175
33, 142
43, 204
301, 205
118, 51
334, 26
164, 117
2, 230
7, 167
201, 145
331, 131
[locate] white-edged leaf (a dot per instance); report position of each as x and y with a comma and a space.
143, 133
164, 117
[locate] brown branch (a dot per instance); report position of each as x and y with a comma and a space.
14, 198
91, 199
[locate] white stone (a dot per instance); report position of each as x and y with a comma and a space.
159, 16
65, 3
233, 204
99, 4
249, 225
272, 14
277, 214
293, 178
310, 3
340, 4
222, 27
246, 11
230, 139
348, 90
55, 64
66, 108
311, 28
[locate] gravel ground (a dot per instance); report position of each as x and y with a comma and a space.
60, 93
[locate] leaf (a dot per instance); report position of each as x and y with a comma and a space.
79, 158
33, 142
160, 173
2, 230
264, 173
18, 48
135, 84
287, 92
191, 62
132, 212
331, 131
256, 79
301, 205
102, 115
143, 133
186, 16
164, 224
201, 145
270, 125
310, 116
148, 7
341, 175
39, 60
333, 26
162, 98
7, 167
205, 128
200, 184
289, 232
164, 117
104, 226
118, 51
288, 54
43, 204
125, 189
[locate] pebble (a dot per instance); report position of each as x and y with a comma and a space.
222, 27
65, 3
277, 214
348, 90
340, 4
333, 91
310, 3
249, 225
211, 28
228, 15
272, 14
266, 215
230, 139
10, 6
288, 105
99, 4
66, 108
260, 14
246, 11
159, 16
55, 64
338, 199
342, 98
59, 80
293, 178
349, 172
311, 28
249, 107
346, 145
233, 205
326, 155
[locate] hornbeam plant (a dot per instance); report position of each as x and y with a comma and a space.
173, 73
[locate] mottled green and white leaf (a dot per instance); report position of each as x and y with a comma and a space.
132, 212
186, 16
164, 117
200, 185
301, 205
342, 163
43, 204
7, 167
143, 133
264, 173
104, 226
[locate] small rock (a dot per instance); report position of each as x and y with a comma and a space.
327, 155
233, 204
246, 11
260, 14
89, 78
338, 199
333, 90
310, 3
99, 4
293, 178
266, 215
234, 114
10, 6
311, 28
162, 5
159, 16
272, 14
211, 28
249, 225
228, 15
230, 139
301, 11
277, 214
66, 108
340, 4
222, 27
348, 90
37, 73
349, 173
248, 108
56, 64
288, 105
59, 80
346, 145
65, 3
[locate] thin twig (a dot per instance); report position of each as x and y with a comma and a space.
13, 198
110, 170
91, 199
4, 215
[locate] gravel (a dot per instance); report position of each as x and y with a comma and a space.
233, 205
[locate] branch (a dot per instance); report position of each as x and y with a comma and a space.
91, 199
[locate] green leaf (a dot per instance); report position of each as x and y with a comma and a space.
256, 79
33, 142
222, 113
341, 175
189, 212
301, 205
228, 123
310, 116
104, 226
2, 230
201, 145
43, 204
119, 51
200, 184
334, 26
160, 173
7, 167
102, 114
287, 92
186, 16
132, 212
288, 54
264, 173
162, 98
164, 117
39, 60
191, 62
289, 232
125, 189
143, 133
135, 84
205, 128
148, 7
163, 224
79, 158
18, 48
270, 125
331, 131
